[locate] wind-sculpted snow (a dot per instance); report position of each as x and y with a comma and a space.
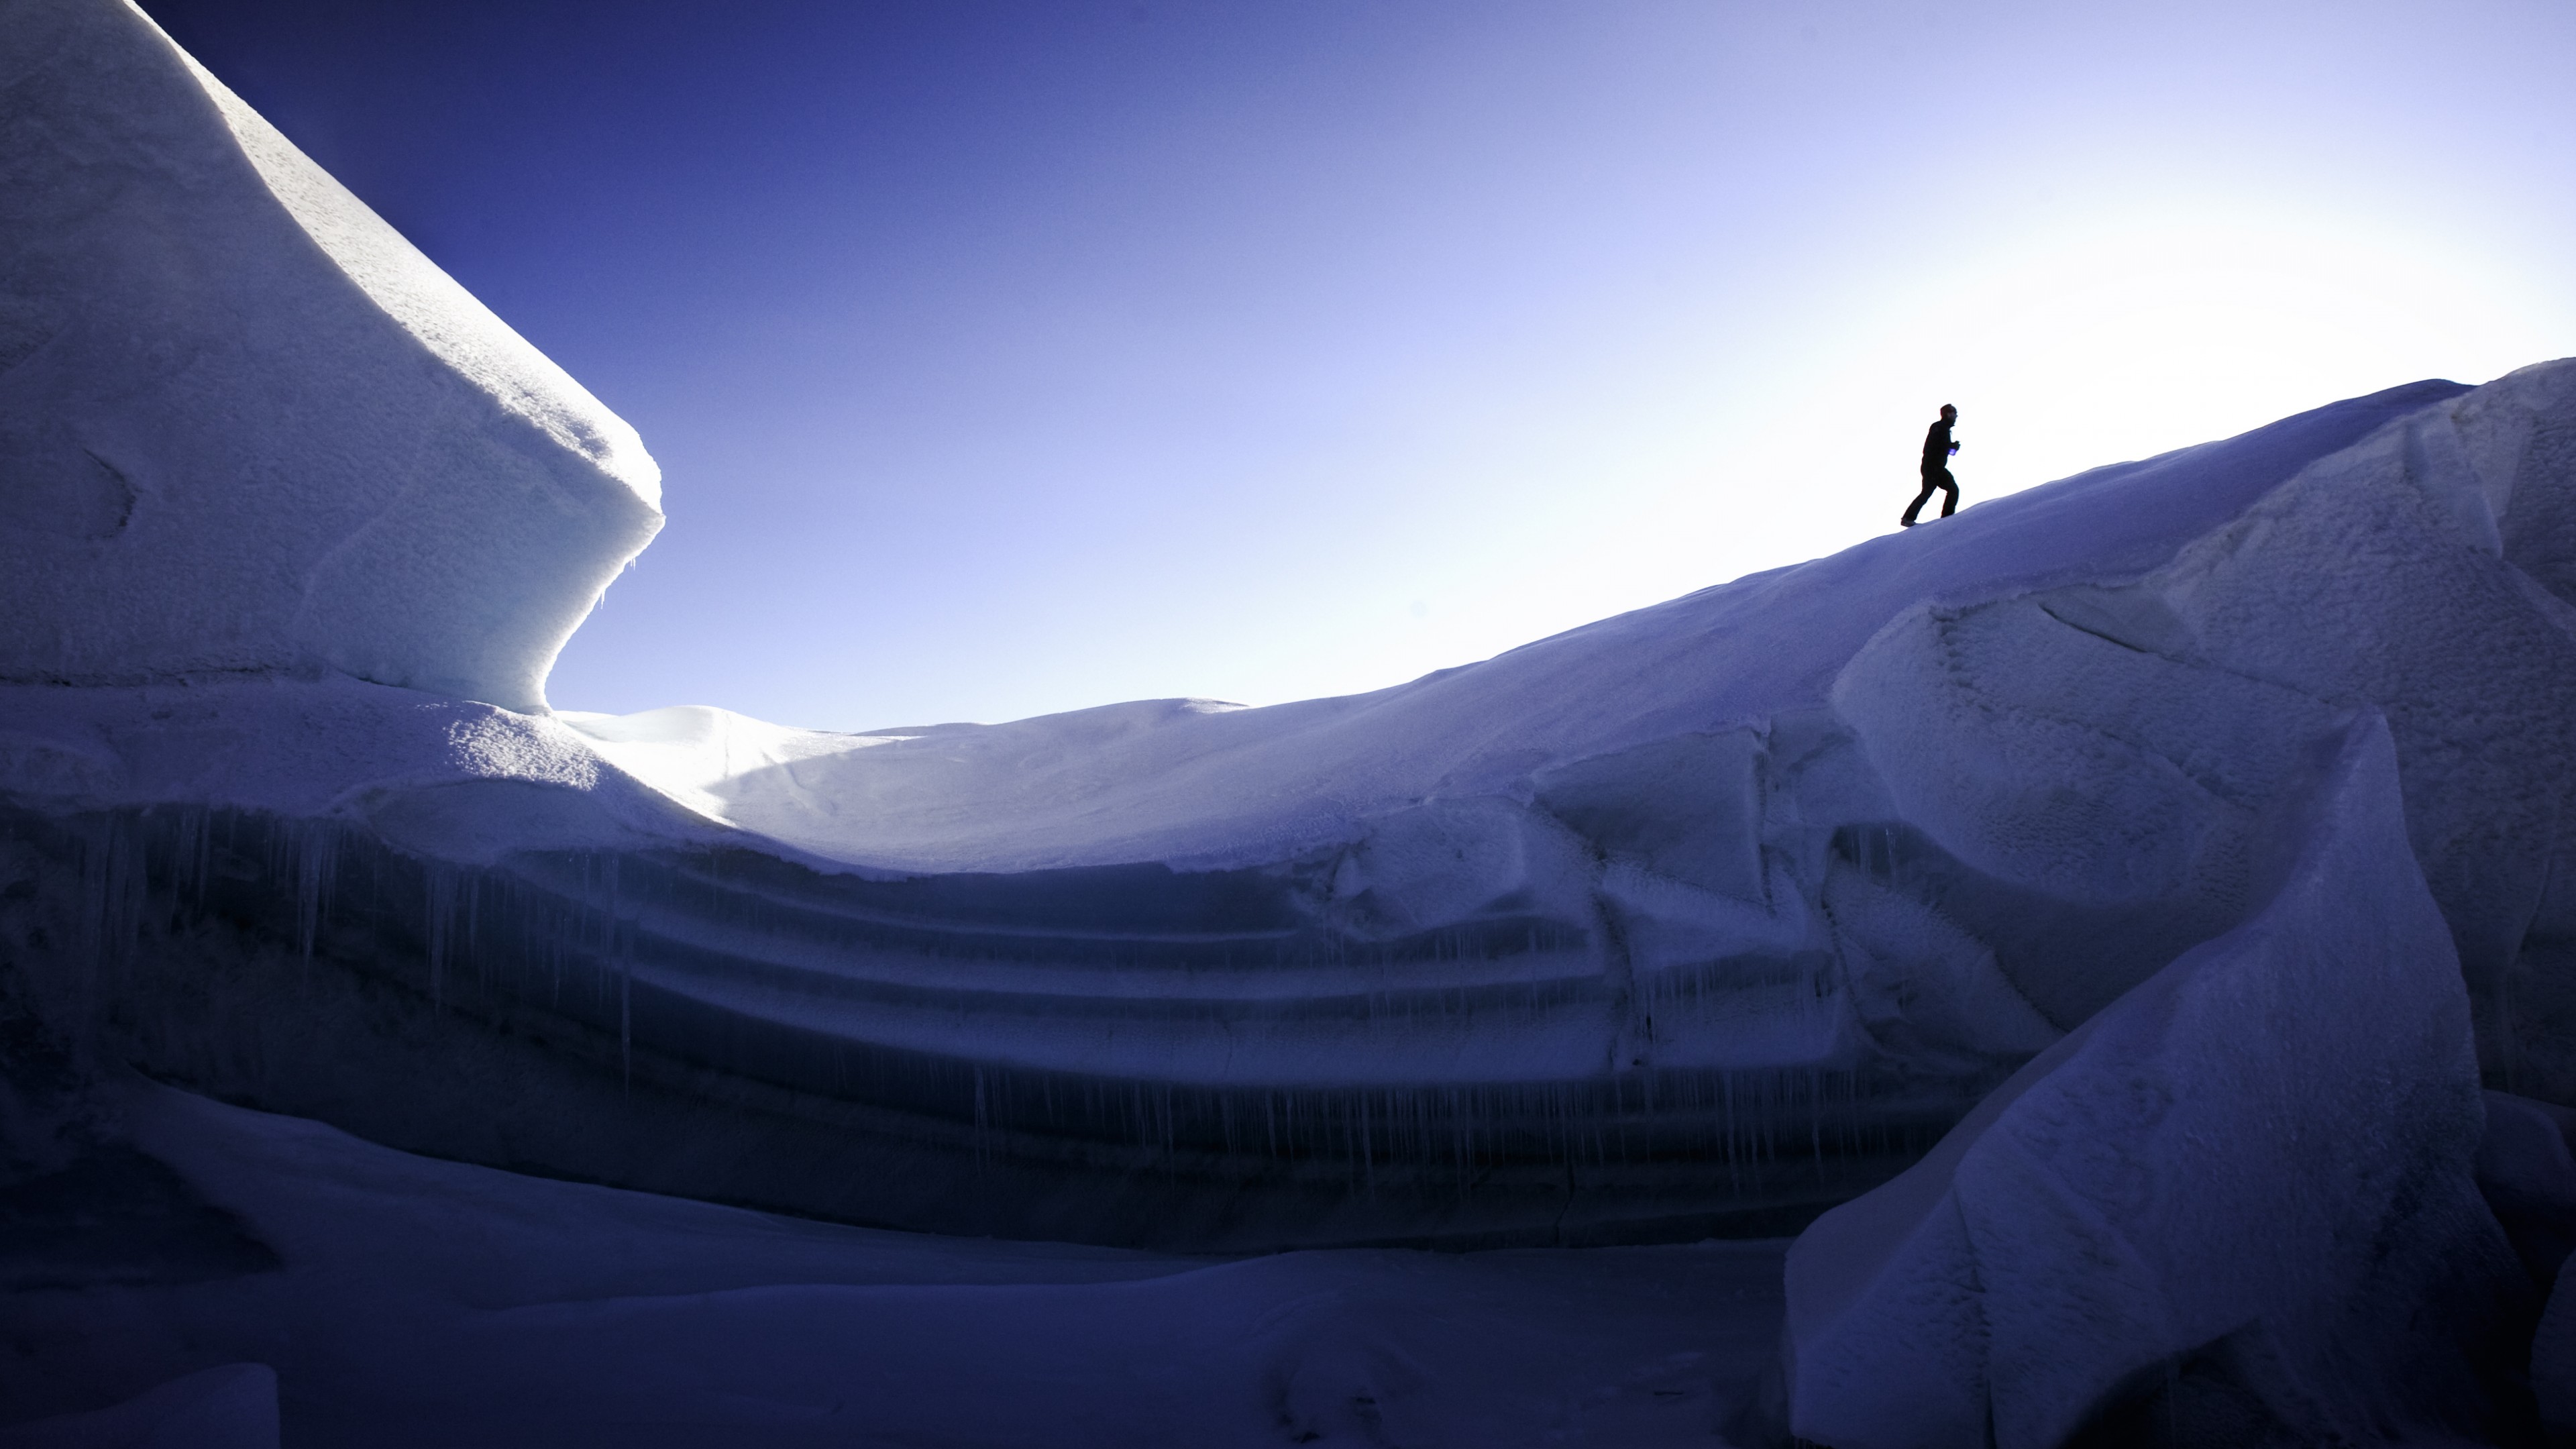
244, 426
1697, 920
2237, 1204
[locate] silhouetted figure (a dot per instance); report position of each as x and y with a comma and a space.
1937, 449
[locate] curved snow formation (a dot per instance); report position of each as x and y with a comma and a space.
244, 426
1699, 919
2242, 1195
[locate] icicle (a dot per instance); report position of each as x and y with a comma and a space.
473, 920
983, 1119
625, 984
316, 846
110, 923
191, 857
441, 907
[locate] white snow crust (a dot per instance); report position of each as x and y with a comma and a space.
247, 428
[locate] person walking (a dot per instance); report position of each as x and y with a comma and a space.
1937, 449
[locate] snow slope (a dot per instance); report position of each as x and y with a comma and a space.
248, 428
1698, 919
1204, 784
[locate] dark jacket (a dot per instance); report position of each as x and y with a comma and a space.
1936, 447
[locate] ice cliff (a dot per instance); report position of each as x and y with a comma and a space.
245, 427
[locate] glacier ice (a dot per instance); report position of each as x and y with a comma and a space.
246, 427
2238, 1203
1699, 920
1696, 920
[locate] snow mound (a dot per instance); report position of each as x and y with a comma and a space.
2236, 1206
246, 427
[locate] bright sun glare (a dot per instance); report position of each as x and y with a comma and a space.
2096, 342
2130, 341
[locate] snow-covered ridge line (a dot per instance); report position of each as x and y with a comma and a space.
1695, 920
426, 301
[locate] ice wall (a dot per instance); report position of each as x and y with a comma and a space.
244, 426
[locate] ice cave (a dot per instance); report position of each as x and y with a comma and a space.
2099, 968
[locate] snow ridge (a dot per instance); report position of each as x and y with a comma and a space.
247, 429
1696, 920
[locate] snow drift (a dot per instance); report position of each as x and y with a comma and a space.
245, 427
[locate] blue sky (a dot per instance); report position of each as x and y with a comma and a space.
1008, 358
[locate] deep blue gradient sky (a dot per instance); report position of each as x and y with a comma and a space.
1006, 358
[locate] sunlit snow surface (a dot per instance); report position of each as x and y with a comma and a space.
245, 426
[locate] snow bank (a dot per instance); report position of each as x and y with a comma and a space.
2236, 1206
245, 427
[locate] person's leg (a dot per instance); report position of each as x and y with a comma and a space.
1949, 494
1915, 507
